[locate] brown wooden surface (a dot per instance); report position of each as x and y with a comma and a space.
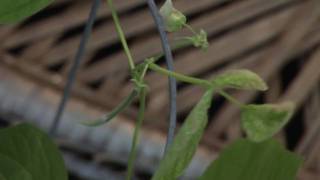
276, 39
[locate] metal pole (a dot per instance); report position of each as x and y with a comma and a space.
169, 60
75, 66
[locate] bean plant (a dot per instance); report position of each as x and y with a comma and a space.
27, 153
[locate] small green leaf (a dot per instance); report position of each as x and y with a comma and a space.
185, 144
11, 170
12, 11
261, 122
174, 20
240, 79
34, 151
246, 160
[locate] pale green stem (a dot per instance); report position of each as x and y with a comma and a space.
180, 77
144, 72
136, 134
121, 34
191, 29
196, 81
231, 99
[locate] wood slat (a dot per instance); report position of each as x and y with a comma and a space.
73, 16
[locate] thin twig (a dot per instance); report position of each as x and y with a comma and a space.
169, 60
75, 66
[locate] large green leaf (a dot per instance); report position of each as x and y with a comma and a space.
186, 141
246, 160
240, 79
11, 170
261, 122
15, 10
34, 151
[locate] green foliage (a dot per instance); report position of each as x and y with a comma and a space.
12, 11
11, 170
246, 160
240, 79
30, 149
174, 20
180, 153
261, 122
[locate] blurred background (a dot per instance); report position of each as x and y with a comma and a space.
277, 39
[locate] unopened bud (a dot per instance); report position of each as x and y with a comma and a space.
174, 20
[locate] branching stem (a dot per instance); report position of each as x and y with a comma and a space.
195, 81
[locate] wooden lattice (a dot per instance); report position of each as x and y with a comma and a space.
276, 39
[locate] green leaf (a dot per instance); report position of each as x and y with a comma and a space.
261, 122
185, 144
11, 170
174, 20
246, 160
240, 79
12, 11
34, 151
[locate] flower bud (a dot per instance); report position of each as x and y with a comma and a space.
200, 40
174, 20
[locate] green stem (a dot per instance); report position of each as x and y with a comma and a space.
121, 34
136, 134
181, 43
180, 77
118, 109
144, 72
231, 99
191, 29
